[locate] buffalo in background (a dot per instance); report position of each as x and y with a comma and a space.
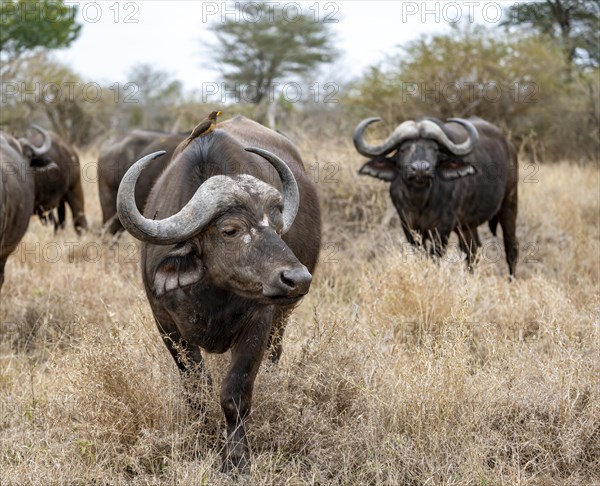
116, 158
230, 254
59, 187
18, 169
447, 177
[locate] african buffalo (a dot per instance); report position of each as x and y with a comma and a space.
230, 253
448, 177
17, 189
116, 159
54, 189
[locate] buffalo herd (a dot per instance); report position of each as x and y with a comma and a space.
39, 174
230, 223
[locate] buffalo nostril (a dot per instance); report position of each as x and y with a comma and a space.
297, 280
421, 165
286, 280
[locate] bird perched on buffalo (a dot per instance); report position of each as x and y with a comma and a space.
206, 126
203, 128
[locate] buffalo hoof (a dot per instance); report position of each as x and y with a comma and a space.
236, 466
236, 459
81, 225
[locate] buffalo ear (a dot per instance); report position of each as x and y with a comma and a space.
451, 168
381, 168
39, 163
42, 167
181, 267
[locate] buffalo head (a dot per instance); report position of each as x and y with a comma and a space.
228, 234
32, 152
424, 149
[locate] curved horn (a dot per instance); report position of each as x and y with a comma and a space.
212, 196
405, 130
45, 145
291, 195
432, 130
179, 227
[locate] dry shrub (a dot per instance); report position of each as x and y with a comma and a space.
503, 384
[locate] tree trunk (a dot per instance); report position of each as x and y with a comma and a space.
271, 112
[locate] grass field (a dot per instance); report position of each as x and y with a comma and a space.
396, 369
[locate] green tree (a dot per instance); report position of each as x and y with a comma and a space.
575, 24
27, 24
265, 44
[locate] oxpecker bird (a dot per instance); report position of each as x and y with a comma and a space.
203, 128
206, 126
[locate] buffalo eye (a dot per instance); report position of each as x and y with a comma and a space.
230, 231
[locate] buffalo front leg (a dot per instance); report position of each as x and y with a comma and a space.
275, 344
236, 393
189, 360
76, 202
508, 220
111, 224
2, 263
410, 234
439, 242
59, 222
114, 228
469, 243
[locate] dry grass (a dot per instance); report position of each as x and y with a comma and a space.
397, 369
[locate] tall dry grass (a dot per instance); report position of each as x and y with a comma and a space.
397, 369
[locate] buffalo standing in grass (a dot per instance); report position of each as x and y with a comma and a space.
448, 177
117, 158
230, 254
58, 188
17, 189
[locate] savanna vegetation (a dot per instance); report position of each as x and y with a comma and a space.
396, 369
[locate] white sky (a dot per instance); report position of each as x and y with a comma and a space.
172, 35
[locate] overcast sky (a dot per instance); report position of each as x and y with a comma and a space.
173, 35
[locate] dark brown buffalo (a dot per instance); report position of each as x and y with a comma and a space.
57, 188
116, 159
448, 177
17, 189
231, 252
